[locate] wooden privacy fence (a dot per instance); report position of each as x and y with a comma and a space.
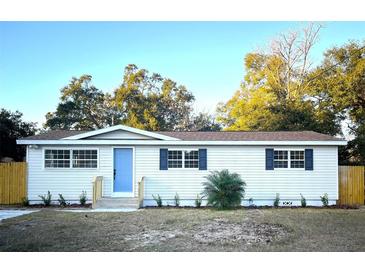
13, 182
351, 185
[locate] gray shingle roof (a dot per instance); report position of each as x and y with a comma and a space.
54, 135
212, 135
251, 136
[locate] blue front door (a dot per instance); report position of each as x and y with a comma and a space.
123, 170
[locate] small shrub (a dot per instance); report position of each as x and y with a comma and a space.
224, 189
62, 200
158, 200
277, 200
198, 201
250, 201
177, 200
303, 201
46, 199
324, 199
25, 201
83, 198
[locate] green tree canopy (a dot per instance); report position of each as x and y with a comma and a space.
340, 83
82, 107
143, 100
12, 127
277, 93
151, 102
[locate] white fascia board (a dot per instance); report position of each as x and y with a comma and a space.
120, 127
182, 143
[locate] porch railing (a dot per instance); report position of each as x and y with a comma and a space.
141, 192
97, 189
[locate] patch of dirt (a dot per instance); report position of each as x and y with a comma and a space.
214, 232
151, 237
221, 230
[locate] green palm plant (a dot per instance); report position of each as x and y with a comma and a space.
224, 189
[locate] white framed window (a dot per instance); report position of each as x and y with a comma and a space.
70, 158
57, 158
175, 159
183, 159
289, 158
191, 159
82, 158
296, 159
280, 158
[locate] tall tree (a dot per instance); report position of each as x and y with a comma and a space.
143, 100
276, 93
204, 122
340, 83
12, 127
151, 102
82, 107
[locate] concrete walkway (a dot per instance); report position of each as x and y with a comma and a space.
11, 213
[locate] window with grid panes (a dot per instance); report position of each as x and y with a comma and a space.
280, 158
85, 158
297, 159
174, 159
57, 158
191, 159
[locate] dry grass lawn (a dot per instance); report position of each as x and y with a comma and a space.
171, 229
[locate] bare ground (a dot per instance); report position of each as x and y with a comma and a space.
283, 229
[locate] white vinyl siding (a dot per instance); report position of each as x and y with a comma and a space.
69, 182
248, 161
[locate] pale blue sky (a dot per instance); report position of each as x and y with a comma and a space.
38, 58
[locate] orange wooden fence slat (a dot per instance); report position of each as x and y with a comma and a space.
351, 185
13, 182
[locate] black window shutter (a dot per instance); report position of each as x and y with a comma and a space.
308, 163
203, 159
163, 159
269, 159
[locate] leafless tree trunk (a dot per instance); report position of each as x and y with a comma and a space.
294, 50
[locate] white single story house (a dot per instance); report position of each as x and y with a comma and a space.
287, 162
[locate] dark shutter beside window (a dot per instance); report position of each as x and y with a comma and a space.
269, 159
203, 159
163, 159
308, 154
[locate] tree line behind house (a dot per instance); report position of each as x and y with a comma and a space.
282, 89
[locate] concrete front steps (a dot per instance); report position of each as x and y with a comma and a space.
117, 203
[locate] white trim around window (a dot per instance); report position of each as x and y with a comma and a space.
193, 160
71, 160
299, 159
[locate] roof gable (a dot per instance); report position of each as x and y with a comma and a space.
135, 131
120, 135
